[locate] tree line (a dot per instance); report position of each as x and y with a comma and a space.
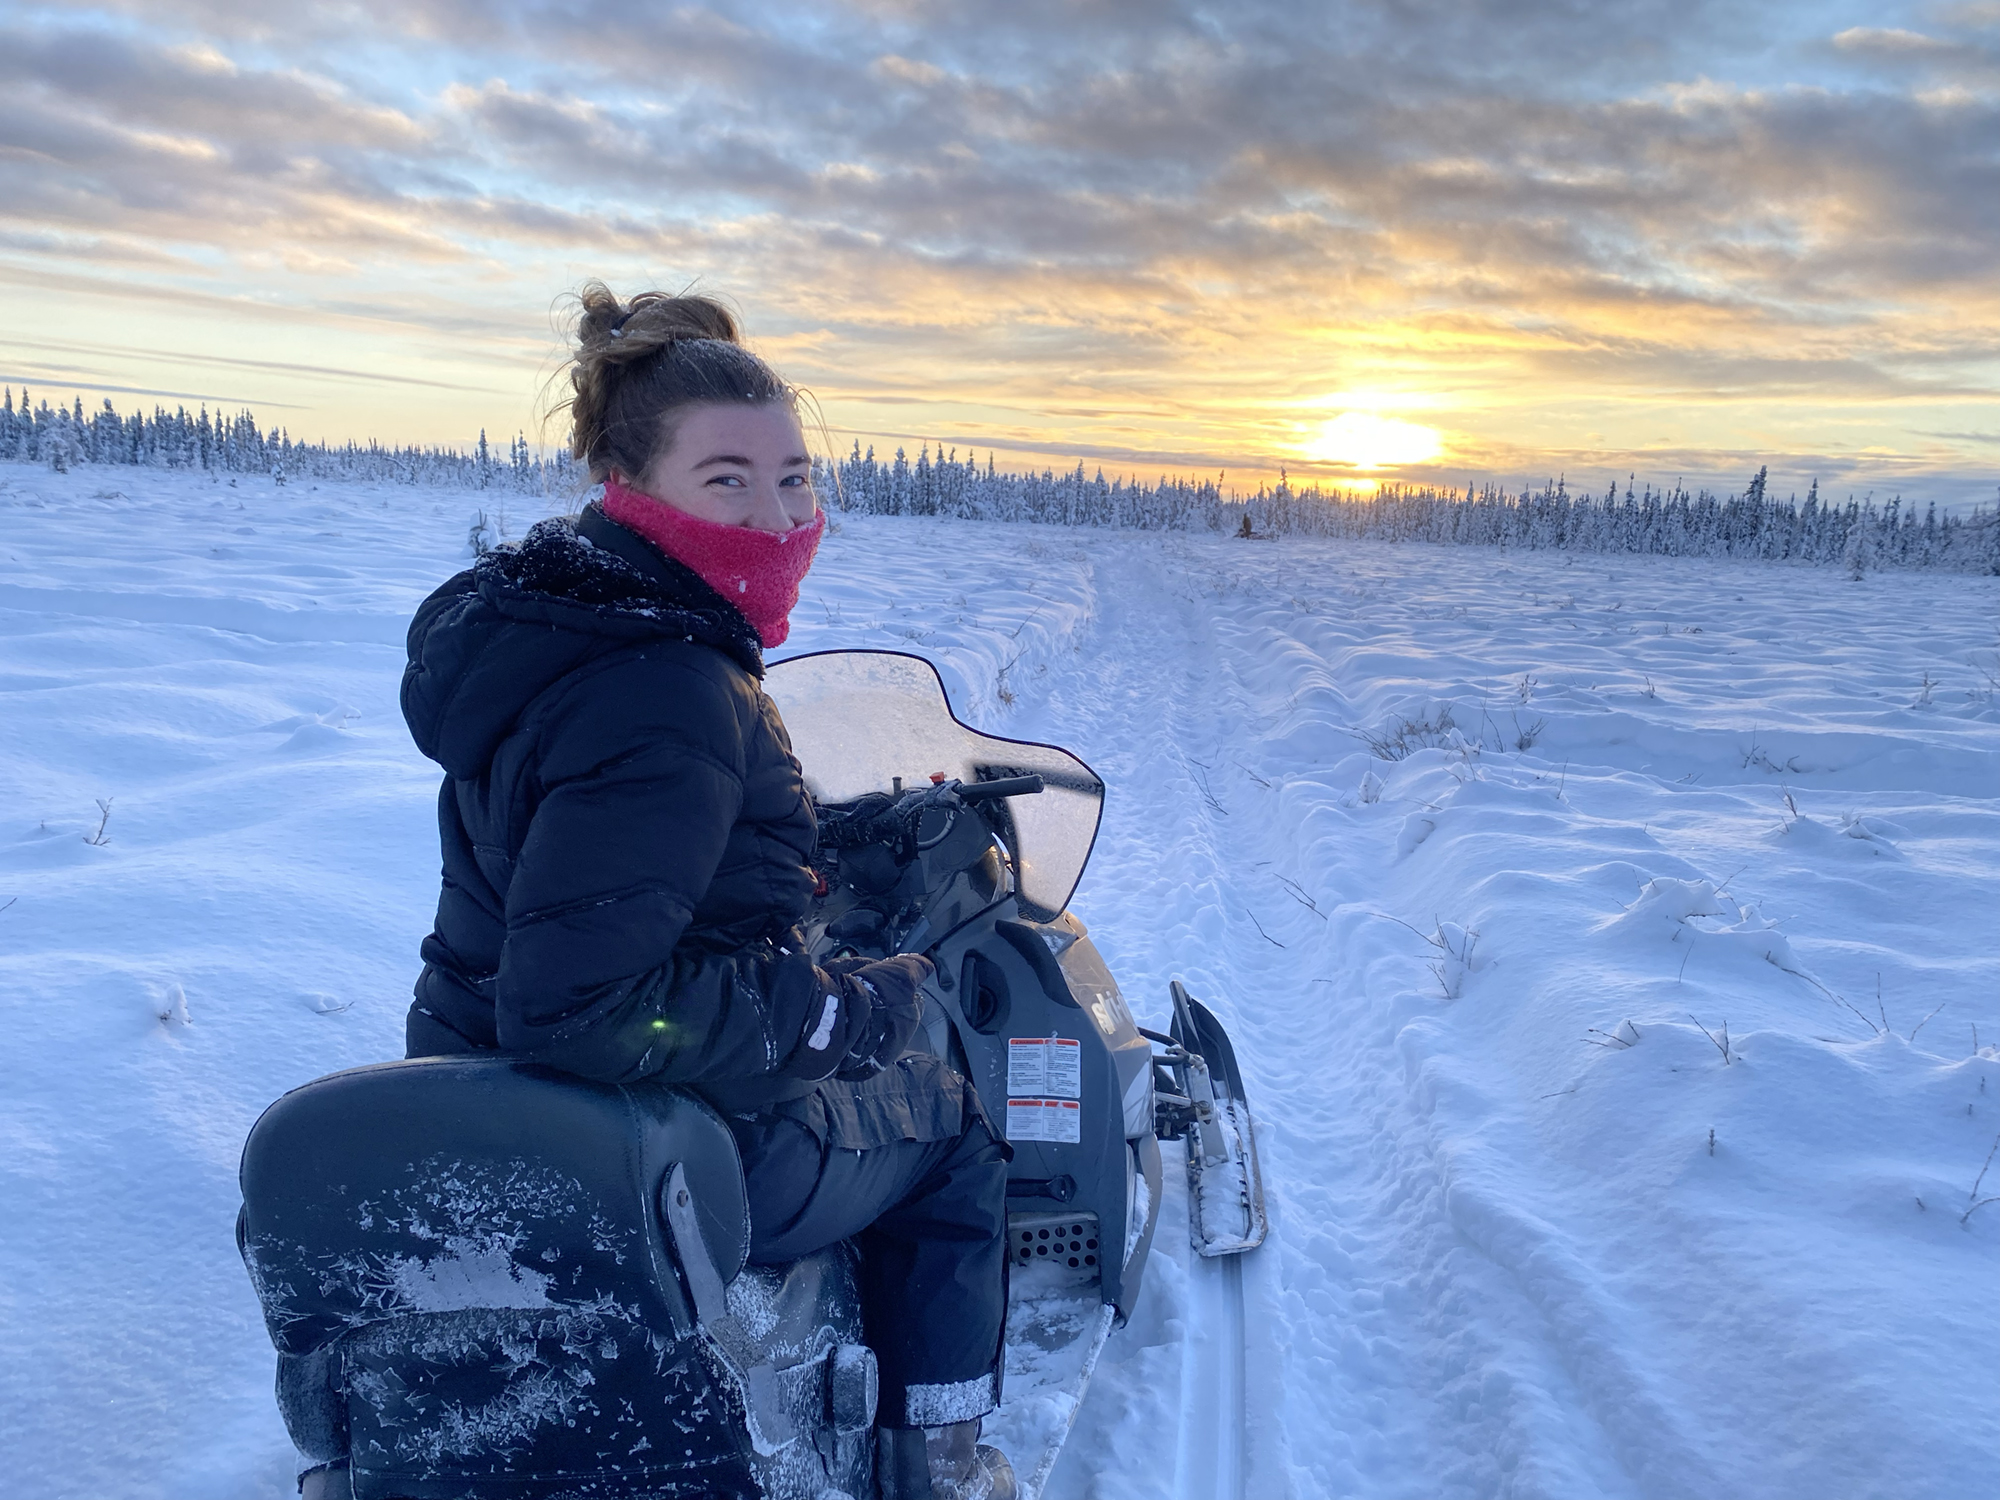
62, 437
1671, 521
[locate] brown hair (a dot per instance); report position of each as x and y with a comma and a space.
638, 363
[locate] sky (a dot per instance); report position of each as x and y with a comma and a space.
1432, 241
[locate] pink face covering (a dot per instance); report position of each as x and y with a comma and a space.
757, 571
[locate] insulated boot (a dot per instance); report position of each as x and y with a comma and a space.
329, 1481
940, 1463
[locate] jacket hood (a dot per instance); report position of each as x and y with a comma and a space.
494, 638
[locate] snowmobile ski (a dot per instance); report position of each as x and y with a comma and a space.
1225, 1181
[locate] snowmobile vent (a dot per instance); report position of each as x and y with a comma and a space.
1065, 1242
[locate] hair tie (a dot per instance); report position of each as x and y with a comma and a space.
618, 327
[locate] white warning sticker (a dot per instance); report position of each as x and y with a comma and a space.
1044, 1066
1044, 1120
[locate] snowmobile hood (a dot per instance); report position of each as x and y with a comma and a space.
492, 639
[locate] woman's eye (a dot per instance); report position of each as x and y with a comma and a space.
792, 481
728, 479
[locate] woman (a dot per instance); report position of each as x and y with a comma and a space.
626, 843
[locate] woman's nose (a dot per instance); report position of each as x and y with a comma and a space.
769, 513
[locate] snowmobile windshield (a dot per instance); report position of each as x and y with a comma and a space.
860, 719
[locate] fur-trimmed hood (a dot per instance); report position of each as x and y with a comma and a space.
496, 636
588, 572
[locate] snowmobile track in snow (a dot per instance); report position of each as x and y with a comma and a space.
1214, 1431
1161, 709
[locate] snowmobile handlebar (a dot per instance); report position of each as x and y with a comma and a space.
879, 817
1006, 786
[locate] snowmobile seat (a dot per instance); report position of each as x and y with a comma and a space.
487, 1278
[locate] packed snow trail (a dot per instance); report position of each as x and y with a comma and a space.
1215, 1423
1621, 1027
1164, 697
1150, 713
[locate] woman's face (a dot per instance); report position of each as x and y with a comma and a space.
736, 465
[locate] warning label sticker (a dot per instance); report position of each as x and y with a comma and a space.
1044, 1120
1045, 1066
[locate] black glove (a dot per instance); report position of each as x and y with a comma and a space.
868, 1009
893, 987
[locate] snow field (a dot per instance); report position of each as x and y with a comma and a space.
1467, 977
1506, 1262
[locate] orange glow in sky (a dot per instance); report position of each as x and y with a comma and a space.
1512, 246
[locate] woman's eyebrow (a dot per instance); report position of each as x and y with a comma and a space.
795, 461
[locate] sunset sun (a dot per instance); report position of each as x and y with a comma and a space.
1362, 440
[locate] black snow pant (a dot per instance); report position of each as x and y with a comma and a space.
908, 1166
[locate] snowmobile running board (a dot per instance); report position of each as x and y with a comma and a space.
1225, 1181
1054, 1337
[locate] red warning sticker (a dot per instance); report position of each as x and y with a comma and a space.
1044, 1120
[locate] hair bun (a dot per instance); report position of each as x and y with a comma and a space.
624, 398
649, 321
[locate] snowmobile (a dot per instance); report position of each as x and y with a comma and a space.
487, 1280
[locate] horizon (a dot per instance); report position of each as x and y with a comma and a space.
1758, 488
1362, 246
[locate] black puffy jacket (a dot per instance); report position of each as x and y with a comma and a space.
625, 830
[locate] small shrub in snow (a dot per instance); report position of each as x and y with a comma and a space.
173, 1009
1453, 945
1616, 1041
1760, 758
1989, 675
1405, 735
1926, 1021
1721, 1045
1299, 894
482, 534
1973, 1201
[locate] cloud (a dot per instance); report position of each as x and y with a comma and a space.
183, 357
110, 135
1196, 159
1962, 60
60, 376
1144, 216
197, 93
1890, 40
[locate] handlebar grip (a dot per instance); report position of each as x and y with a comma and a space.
1006, 786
